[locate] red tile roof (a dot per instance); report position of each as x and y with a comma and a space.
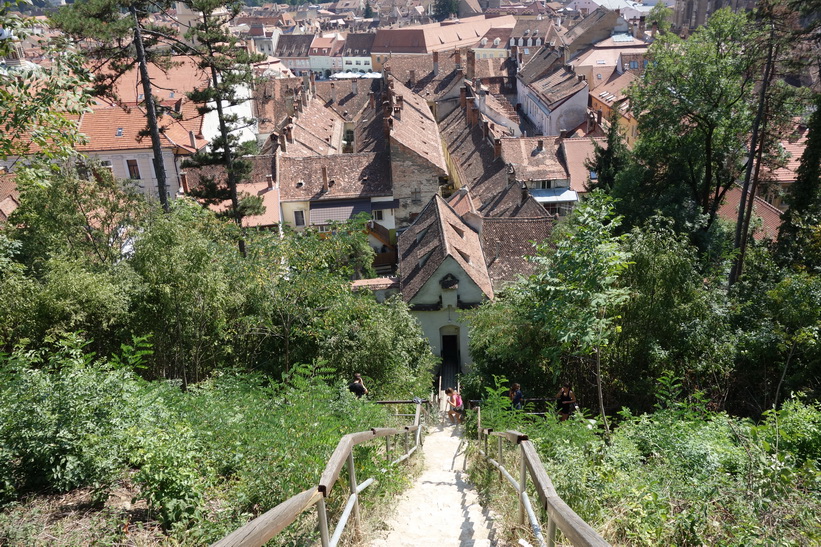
794, 144
507, 242
574, 153
415, 128
183, 77
770, 216
349, 176
532, 162
9, 196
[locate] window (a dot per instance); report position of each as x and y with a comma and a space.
119, 132
416, 194
527, 51
634, 64
358, 63
379, 214
323, 228
133, 169
299, 218
349, 62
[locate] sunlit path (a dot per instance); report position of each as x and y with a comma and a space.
442, 508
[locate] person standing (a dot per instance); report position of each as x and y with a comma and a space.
516, 396
357, 387
565, 402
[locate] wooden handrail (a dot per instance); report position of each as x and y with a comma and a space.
260, 530
559, 513
265, 527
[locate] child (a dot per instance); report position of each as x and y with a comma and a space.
454, 405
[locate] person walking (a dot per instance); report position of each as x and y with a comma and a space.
357, 387
516, 396
565, 402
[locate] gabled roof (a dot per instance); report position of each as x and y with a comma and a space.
359, 44
507, 242
349, 176
574, 153
436, 235
592, 29
794, 144
346, 97
533, 158
172, 84
545, 60
770, 216
293, 45
415, 128
417, 72
534, 28
613, 90
558, 87
316, 130
437, 36
116, 128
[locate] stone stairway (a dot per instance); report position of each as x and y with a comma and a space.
442, 508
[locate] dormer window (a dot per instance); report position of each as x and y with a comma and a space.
464, 256
421, 234
424, 259
458, 231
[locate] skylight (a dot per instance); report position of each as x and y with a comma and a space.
119, 132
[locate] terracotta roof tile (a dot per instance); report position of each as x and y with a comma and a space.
794, 144
575, 152
9, 196
417, 72
183, 77
770, 216
316, 130
349, 176
271, 98
436, 235
415, 128
507, 242
532, 162
559, 86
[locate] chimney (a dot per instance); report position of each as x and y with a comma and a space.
313, 84
485, 128
184, 181
524, 194
387, 125
325, 187
371, 100
283, 143
289, 105
540, 145
463, 93
400, 101
306, 80
333, 92
497, 148
435, 63
412, 77
270, 180
192, 139
471, 108
471, 64
598, 116
355, 86
640, 32
289, 133
655, 29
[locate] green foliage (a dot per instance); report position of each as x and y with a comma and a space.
443, 9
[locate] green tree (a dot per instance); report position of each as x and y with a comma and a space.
661, 16
799, 238
368, 13
576, 284
118, 37
608, 161
442, 9
695, 112
229, 67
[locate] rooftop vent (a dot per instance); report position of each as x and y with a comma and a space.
119, 132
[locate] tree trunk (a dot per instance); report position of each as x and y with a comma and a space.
601, 395
151, 113
743, 215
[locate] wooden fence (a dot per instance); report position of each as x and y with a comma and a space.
268, 525
559, 514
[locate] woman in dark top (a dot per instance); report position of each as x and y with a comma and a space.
516, 396
565, 402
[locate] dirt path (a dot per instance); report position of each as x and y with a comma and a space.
442, 508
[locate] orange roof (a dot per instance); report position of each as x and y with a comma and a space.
116, 128
794, 144
183, 77
9, 196
270, 199
770, 216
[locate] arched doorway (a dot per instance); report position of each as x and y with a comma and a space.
451, 359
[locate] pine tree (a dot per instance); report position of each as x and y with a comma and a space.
229, 67
608, 161
117, 37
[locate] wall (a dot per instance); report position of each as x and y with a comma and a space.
287, 209
410, 172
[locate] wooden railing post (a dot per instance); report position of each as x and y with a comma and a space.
323, 522
352, 481
522, 484
388, 449
406, 443
499, 458
551, 532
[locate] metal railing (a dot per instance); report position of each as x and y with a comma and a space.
559, 514
265, 527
